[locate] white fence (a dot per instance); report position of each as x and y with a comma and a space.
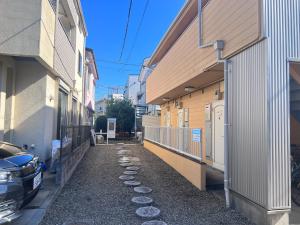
182, 140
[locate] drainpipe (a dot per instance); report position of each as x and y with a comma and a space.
219, 46
226, 124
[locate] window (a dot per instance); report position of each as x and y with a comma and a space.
88, 77
80, 65
74, 112
62, 120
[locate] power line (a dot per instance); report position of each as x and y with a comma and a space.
138, 30
119, 63
117, 69
126, 29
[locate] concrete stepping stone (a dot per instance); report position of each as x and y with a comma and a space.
130, 172
142, 200
124, 152
142, 190
134, 159
135, 168
154, 222
136, 163
148, 212
124, 158
132, 183
126, 177
124, 161
126, 164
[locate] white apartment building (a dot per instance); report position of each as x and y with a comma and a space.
132, 88
42, 47
141, 94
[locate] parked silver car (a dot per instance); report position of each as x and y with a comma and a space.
20, 180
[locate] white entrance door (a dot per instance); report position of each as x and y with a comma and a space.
218, 134
180, 118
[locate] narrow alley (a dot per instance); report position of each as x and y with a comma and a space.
96, 195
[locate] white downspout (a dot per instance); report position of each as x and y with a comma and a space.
226, 124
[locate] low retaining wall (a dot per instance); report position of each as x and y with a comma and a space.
69, 163
193, 171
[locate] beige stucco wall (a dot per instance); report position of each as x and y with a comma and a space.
20, 27
34, 112
6, 115
80, 47
47, 31
192, 171
27, 29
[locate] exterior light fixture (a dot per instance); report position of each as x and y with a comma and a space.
166, 99
189, 89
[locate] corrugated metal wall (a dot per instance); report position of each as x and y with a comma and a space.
259, 135
281, 23
248, 118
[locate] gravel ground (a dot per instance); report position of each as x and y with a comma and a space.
95, 195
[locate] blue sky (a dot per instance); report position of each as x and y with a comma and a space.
106, 21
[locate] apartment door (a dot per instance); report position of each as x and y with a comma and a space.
180, 118
218, 134
168, 118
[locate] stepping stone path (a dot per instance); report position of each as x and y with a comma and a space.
135, 168
142, 190
154, 222
126, 177
148, 212
130, 172
142, 200
131, 164
132, 183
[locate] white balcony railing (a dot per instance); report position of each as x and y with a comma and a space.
182, 140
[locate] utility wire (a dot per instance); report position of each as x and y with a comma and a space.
126, 29
117, 69
119, 63
138, 30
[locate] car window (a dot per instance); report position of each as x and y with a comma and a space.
7, 150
